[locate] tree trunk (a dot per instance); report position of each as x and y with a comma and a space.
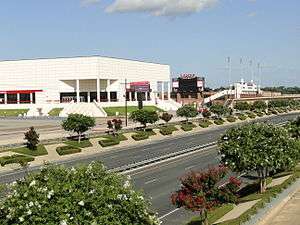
79, 137
203, 216
262, 180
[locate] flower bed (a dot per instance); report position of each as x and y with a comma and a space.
231, 119
187, 126
109, 142
67, 150
204, 123
5, 160
139, 136
167, 130
219, 121
242, 117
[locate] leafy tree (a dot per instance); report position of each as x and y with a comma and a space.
117, 124
242, 106
259, 105
278, 103
294, 128
200, 192
85, 195
79, 124
144, 116
258, 147
219, 110
187, 111
206, 113
32, 138
166, 117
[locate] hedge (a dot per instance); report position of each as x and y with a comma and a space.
5, 160
205, 123
167, 130
251, 115
109, 142
140, 136
187, 126
231, 119
67, 150
242, 117
219, 121
259, 114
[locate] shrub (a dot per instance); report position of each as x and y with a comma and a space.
187, 111
259, 114
85, 195
219, 110
204, 123
206, 113
109, 142
140, 136
242, 106
219, 121
5, 160
167, 130
273, 111
187, 126
251, 115
166, 117
231, 119
242, 117
259, 105
67, 150
32, 138
144, 116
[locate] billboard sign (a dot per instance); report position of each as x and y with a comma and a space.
142, 86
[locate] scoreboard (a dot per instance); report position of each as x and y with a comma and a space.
188, 83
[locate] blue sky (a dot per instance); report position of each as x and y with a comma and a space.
192, 36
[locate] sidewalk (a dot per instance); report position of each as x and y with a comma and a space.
288, 214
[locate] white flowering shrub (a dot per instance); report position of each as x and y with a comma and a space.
86, 195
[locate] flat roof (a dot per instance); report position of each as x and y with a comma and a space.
73, 57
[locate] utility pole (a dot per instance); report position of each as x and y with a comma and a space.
126, 116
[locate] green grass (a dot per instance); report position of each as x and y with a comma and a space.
219, 121
204, 123
41, 150
12, 112
85, 143
55, 111
118, 137
214, 215
231, 119
67, 150
111, 111
109, 142
5, 160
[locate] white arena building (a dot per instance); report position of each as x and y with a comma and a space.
82, 84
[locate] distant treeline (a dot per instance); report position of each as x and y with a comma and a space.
283, 89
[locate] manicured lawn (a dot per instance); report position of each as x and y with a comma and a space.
12, 112
214, 215
55, 112
111, 111
41, 150
83, 143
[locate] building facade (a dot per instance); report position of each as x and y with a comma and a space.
81, 79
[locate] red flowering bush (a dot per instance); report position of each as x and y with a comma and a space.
200, 191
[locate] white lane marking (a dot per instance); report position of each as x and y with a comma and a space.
151, 181
169, 213
190, 167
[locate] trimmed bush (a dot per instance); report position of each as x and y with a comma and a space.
251, 115
109, 142
188, 126
204, 123
5, 160
67, 150
167, 130
259, 114
231, 119
150, 132
83, 143
140, 136
219, 121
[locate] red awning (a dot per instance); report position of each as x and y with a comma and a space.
20, 91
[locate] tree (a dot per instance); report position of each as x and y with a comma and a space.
117, 124
166, 117
187, 111
242, 106
200, 192
206, 113
259, 105
144, 116
79, 124
219, 110
294, 128
83, 195
258, 147
32, 138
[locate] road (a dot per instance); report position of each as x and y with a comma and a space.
160, 180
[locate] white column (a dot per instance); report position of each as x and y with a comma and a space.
5, 98
88, 97
130, 96
169, 90
108, 90
98, 89
31, 98
18, 98
146, 95
162, 90
77, 90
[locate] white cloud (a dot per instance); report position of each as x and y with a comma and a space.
89, 2
160, 7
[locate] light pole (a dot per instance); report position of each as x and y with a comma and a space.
126, 117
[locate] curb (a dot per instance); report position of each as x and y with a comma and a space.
274, 206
